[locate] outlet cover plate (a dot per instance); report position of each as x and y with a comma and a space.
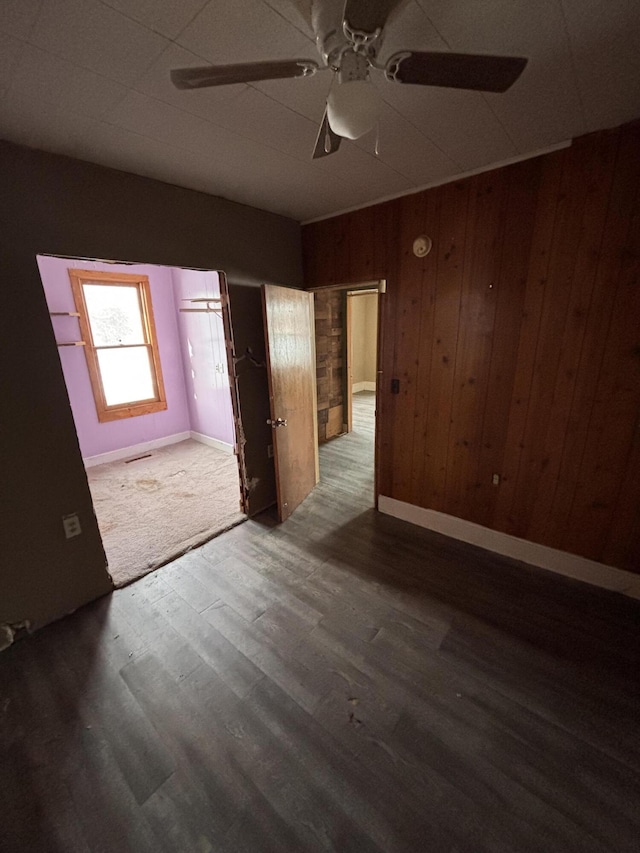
71, 524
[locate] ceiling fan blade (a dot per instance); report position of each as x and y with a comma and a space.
367, 16
455, 70
247, 72
327, 141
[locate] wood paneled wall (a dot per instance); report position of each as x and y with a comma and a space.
516, 342
329, 315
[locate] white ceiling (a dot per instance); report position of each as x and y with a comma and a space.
89, 78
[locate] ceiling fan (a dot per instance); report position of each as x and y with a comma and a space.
349, 39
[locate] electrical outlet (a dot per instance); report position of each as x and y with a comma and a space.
71, 524
270, 451
496, 479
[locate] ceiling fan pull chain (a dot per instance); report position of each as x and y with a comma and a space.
377, 148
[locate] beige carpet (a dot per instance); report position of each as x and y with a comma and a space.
154, 509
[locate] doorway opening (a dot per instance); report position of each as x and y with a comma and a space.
347, 356
143, 350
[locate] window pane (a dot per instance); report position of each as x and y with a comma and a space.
114, 314
126, 375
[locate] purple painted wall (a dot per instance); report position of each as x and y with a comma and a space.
96, 438
204, 356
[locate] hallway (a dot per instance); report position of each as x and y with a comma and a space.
346, 462
344, 681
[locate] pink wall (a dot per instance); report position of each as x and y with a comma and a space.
94, 437
203, 349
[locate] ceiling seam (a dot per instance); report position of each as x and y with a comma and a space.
574, 68
170, 148
131, 88
148, 26
36, 18
451, 179
210, 124
14, 67
192, 152
484, 97
500, 122
423, 134
291, 24
319, 166
103, 119
65, 61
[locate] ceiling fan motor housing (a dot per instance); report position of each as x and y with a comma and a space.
354, 66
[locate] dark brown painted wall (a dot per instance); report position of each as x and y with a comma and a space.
516, 342
51, 204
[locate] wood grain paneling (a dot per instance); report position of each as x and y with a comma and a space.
453, 214
516, 343
485, 224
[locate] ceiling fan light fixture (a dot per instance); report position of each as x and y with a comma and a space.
353, 108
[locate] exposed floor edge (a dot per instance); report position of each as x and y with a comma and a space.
181, 553
551, 559
489, 167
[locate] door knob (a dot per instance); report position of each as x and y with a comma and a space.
277, 423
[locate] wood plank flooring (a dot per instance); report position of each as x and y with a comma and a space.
344, 682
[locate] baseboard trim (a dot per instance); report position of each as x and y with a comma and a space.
212, 442
363, 386
561, 562
134, 449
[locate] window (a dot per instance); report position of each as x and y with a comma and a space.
116, 323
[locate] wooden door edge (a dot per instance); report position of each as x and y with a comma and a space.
234, 391
312, 326
349, 362
377, 450
279, 500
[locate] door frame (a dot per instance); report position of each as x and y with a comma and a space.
380, 285
349, 296
233, 388
224, 302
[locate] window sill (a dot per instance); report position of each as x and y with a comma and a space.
132, 410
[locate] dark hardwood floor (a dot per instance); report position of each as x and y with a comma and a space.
340, 682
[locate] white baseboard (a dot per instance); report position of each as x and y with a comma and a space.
561, 562
212, 442
363, 386
134, 449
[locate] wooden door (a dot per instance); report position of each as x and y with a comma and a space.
291, 366
244, 331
